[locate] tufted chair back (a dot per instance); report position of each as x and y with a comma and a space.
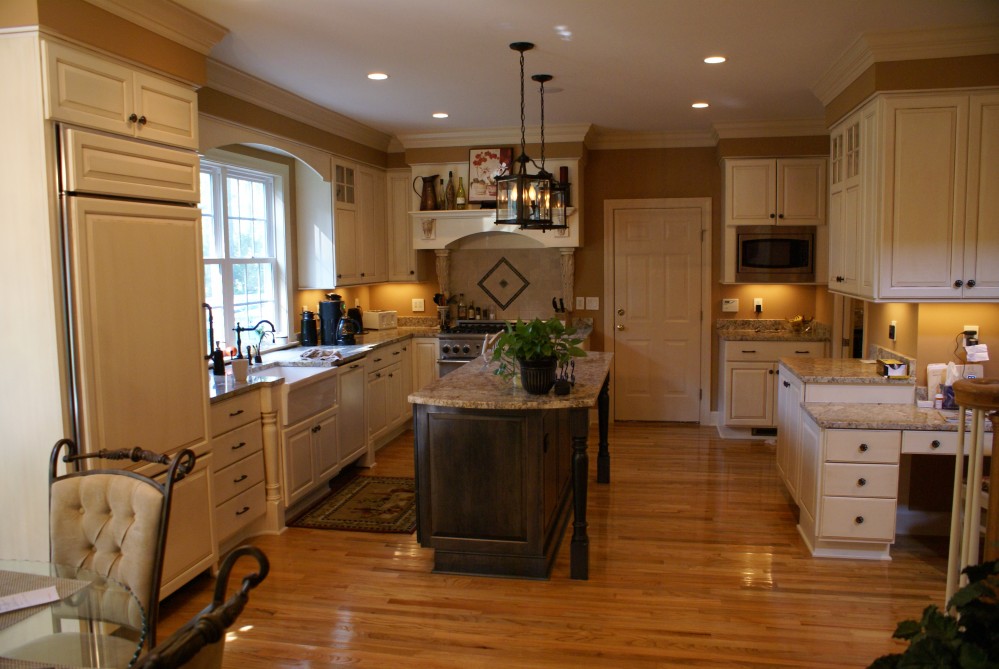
114, 522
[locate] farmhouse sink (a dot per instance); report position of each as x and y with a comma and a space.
305, 392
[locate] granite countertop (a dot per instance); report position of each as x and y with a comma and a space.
475, 386
745, 329
841, 370
882, 417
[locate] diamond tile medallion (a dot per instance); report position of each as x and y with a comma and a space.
503, 283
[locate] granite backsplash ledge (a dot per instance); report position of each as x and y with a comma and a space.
770, 328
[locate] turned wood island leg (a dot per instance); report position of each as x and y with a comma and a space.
603, 416
579, 557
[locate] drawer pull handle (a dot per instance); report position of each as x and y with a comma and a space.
935, 443
242, 511
233, 414
861, 482
378, 359
241, 478
354, 366
744, 351
396, 352
238, 446
863, 448
803, 352
859, 520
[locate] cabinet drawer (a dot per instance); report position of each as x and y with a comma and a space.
850, 480
770, 351
863, 446
938, 442
238, 477
238, 512
231, 413
383, 356
238, 444
857, 518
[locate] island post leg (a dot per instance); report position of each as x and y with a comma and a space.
579, 556
603, 416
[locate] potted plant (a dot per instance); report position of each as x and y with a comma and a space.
968, 640
535, 349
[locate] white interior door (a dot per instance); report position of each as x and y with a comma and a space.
655, 333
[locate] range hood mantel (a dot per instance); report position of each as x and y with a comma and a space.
446, 229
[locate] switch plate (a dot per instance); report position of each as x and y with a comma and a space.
592, 303
580, 303
892, 331
418, 304
730, 304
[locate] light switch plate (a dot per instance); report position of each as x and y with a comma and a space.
418, 304
580, 303
730, 304
592, 303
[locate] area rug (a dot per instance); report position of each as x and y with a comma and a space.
366, 504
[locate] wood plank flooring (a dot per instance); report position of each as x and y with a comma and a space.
695, 562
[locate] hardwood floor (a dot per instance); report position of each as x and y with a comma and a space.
695, 562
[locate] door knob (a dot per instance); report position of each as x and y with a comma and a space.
620, 327
620, 312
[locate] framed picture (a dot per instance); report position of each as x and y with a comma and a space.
484, 165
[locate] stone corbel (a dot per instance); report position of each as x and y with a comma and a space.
567, 263
443, 266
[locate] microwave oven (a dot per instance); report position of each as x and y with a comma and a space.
775, 254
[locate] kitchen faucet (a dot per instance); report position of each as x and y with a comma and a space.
239, 344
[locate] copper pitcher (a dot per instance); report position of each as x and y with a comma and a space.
428, 198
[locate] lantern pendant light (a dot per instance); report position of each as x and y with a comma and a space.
524, 199
556, 195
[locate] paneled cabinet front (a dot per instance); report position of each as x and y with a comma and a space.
238, 463
359, 224
775, 191
750, 379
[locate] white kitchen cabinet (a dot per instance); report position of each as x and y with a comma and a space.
424, 358
848, 238
314, 221
353, 438
97, 92
404, 262
789, 397
749, 378
238, 464
775, 191
191, 542
359, 224
310, 455
387, 389
926, 216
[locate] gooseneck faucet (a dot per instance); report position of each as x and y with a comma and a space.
239, 344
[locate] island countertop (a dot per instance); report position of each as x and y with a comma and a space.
475, 386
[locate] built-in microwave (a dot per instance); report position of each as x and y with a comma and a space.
775, 254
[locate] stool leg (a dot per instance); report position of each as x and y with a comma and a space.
973, 509
953, 555
992, 520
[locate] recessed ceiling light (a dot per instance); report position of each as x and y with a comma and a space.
377, 76
714, 60
700, 105
440, 115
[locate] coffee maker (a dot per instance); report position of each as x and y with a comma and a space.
330, 313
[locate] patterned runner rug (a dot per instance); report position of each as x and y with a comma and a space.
366, 504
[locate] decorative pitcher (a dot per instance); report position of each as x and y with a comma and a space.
428, 198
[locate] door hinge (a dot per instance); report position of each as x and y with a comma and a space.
700, 393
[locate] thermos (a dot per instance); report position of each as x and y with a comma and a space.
310, 336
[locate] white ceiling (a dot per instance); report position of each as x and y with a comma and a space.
630, 66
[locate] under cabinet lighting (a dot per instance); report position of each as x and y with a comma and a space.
378, 76
714, 60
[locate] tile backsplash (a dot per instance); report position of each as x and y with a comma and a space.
539, 269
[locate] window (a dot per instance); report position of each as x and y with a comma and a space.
243, 244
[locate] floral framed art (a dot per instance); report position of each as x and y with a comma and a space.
484, 165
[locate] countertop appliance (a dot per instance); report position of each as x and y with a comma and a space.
463, 342
380, 319
330, 313
346, 330
775, 253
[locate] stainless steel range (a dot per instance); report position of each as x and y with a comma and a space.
463, 342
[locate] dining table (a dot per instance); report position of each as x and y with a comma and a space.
61, 617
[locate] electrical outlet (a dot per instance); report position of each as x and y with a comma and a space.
580, 303
969, 332
758, 305
418, 304
592, 303
892, 331
730, 304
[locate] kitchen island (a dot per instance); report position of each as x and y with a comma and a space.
496, 468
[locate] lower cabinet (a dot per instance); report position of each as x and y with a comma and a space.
310, 454
352, 423
238, 465
424, 358
191, 542
387, 388
789, 397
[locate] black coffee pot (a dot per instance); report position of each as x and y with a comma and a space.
330, 313
345, 331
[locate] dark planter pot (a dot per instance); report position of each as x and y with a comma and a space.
537, 376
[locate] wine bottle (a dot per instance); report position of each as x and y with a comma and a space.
441, 197
449, 191
459, 196
462, 309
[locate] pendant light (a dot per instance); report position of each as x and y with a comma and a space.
524, 199
556, 195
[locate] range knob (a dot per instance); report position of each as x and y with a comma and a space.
445, 348
465, 349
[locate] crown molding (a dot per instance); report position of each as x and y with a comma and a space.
804, 127
489, 136
608, 140
246, 87
947, 42
170, 20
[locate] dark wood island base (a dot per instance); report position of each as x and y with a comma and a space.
495, 478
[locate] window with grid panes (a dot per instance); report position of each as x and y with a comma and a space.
244, 248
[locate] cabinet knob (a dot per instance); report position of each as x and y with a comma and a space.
132, 118
620, 312
859, 520
412, 271
770, 371
772, 215
786, 384
362, 273
971, 283
861, 482
840, 279
780, 215
620, 327
863, 448
142, 120
935, 443
958, 283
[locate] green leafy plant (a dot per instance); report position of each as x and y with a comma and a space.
969, 640
535, 340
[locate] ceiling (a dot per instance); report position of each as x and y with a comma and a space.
627, 66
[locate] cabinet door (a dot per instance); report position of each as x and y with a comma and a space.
810, 462
924, 198
122, 254
750, 394
801, 188
324, 445
345, 228
402, 257
314, 220
372, 242
424, 361
789, 397
190, 547
299, 475
353, 436
981, 246
168, 112
397, 407
85, 89
376, 399
751, 192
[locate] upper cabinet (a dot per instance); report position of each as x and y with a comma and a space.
775, 191
359, 224
914, 219
404, 262
95, 92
